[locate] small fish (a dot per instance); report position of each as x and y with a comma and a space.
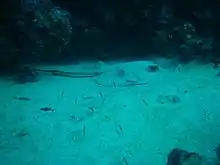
22, 98
88, 97
21, 134
47, 109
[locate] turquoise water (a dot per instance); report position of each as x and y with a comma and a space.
125, 116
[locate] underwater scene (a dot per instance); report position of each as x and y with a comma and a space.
133, 82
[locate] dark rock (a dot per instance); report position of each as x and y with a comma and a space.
217, 151
179, 157
218, 73
175, 156
162, 99
152, 68
26, 75
120, 73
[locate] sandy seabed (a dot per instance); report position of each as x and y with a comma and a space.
121, 117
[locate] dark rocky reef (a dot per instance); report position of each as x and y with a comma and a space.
55, 30
26, 75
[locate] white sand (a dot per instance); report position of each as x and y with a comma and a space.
112, 124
